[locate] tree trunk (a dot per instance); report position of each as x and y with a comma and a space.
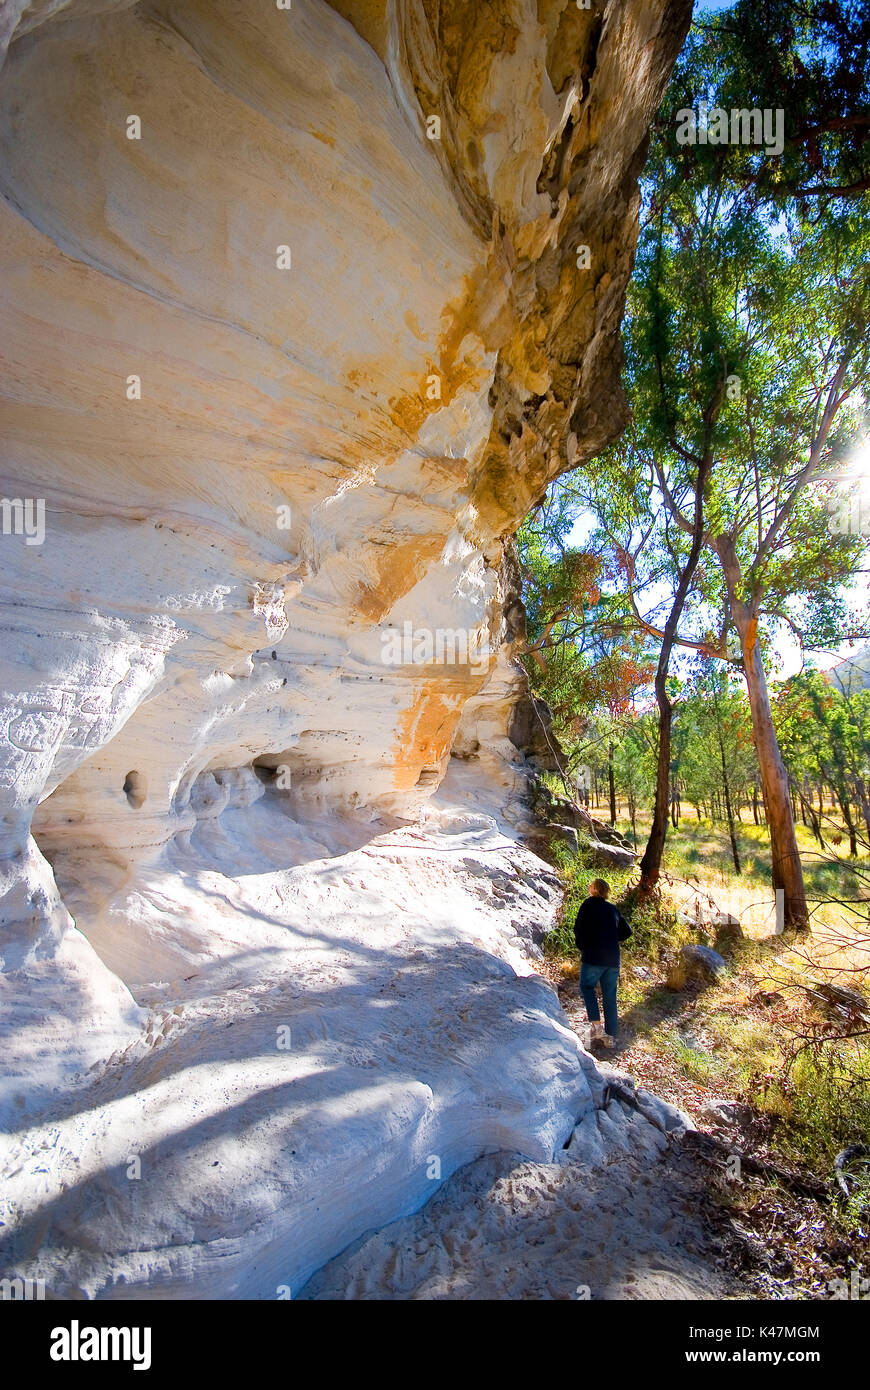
725, 784
651, 863
814, 824
787, 872
863, 801
731, 832
755, 804
612, 784
843, 799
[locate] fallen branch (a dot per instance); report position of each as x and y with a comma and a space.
711, 1147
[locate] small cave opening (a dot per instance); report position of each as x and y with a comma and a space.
275, 771
135, 789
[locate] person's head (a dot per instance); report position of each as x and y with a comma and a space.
599, 888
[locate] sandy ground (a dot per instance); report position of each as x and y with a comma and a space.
319, 1018
626, 1222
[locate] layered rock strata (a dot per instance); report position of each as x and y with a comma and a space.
302, 309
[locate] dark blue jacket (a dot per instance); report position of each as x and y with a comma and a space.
598, 930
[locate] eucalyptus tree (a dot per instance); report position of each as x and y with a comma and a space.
810, 58
748, 361
747, 365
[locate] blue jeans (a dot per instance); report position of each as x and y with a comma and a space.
608, 977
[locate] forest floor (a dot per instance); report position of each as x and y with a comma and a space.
700, 852
755, 1038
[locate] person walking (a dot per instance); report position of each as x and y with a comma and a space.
598, 930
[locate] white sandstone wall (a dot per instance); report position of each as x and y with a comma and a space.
249, 475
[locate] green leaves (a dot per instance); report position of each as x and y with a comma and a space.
747, 332
808, 58
747, 346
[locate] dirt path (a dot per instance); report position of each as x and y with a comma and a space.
776, 1238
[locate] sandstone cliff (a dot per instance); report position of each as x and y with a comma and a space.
302, 309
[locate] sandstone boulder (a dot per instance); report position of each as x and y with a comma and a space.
698, 963
702, 962
610, 856
730, 1113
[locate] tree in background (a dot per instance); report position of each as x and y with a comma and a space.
581, 659
721, 718
635, 764
747, 363
772, 311
825, 736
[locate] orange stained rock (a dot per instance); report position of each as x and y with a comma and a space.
412, 322
369, 18
397, 569
425, 730
480, 315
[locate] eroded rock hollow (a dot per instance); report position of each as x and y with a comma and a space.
303, 308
